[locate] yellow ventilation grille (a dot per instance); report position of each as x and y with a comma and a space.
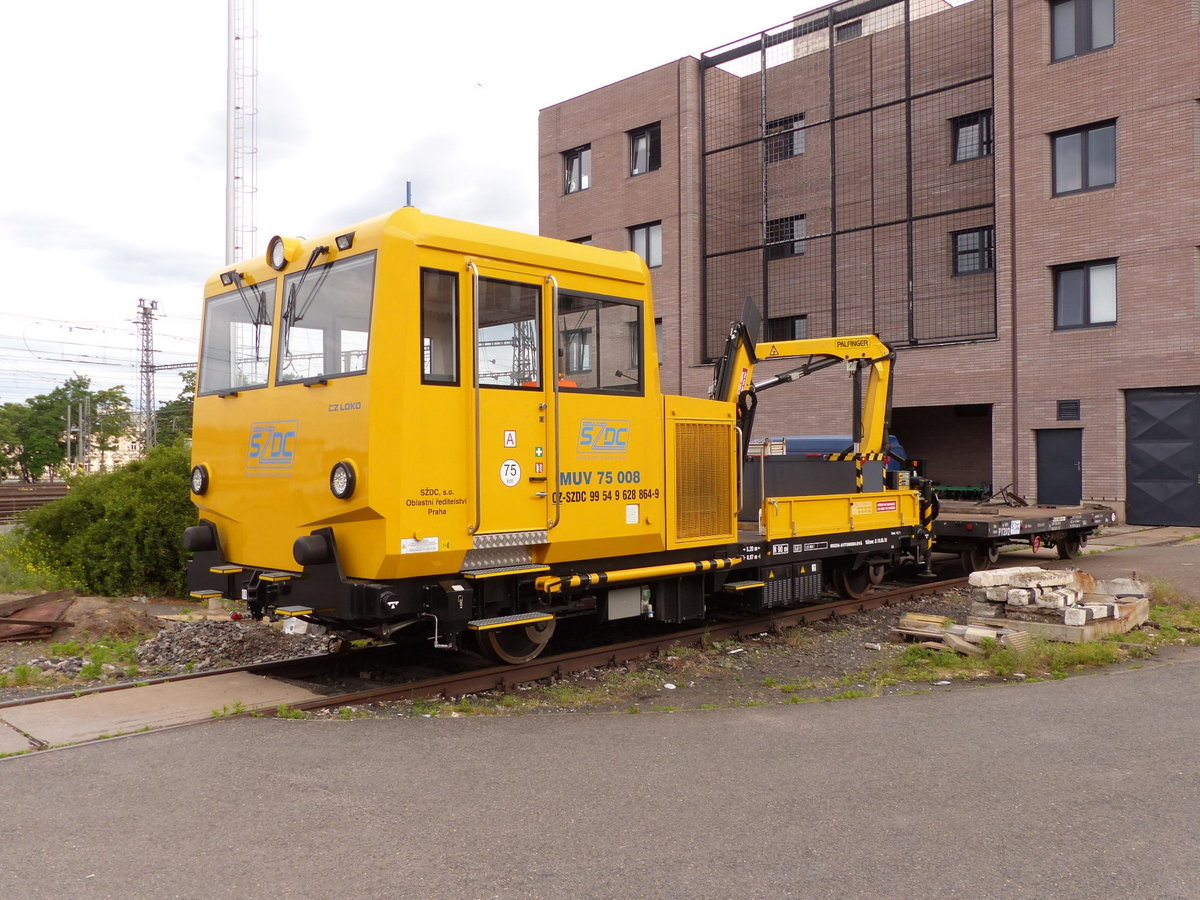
703, 490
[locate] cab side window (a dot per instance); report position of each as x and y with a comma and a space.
509, 349
599, 344
439, 327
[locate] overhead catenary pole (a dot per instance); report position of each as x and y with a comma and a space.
241, 102
145, 324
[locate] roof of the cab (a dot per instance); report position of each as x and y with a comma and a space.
485, 241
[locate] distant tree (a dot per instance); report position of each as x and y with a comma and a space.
173, 421
10, 441
33, 435
112, 418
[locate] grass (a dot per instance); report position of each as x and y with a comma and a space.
1174, 613
236, 710
1041, 659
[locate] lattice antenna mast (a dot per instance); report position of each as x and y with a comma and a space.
241, 133
145, 325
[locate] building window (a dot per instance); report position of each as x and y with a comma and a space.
586, 240
972, 135
848, 31
974, 250
1085, 294
646, 242
1080, 26
785, 237
1085, 158
785, 138
634, 340
787, 328
577, 351
577, 169
645, 149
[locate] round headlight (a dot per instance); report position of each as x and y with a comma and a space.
199, 479
276, 254
341, 480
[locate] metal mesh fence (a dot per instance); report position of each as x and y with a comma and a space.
848, 178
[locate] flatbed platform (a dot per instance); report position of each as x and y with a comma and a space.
977, 531
966, 519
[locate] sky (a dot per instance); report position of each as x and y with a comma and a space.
113, 154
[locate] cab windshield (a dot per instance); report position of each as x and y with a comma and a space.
236, 349
326, 320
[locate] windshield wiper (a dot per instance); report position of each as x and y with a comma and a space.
290, 315
257, 313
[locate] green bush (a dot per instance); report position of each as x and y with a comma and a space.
119, 532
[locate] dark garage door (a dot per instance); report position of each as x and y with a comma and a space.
1162, 456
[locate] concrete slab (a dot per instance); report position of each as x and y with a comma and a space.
75, 719
12, 741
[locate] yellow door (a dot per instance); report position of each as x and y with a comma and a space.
513, 402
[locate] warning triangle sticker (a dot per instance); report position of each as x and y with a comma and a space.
774, 351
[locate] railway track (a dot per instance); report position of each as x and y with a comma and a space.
506, 677
309, 670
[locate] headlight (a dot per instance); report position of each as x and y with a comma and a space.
199, 479
281, 251
341, 480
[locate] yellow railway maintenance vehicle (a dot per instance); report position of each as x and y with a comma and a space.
418, 423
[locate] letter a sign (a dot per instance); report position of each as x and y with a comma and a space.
510, 438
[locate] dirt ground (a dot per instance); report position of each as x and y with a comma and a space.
844, 657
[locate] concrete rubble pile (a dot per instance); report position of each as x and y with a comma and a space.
1042, 601
1012, 605
1068, 596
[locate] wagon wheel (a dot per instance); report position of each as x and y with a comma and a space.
852, 584
979, 558
1069, 546
876, 572
516, 644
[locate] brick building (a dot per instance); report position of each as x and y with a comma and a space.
1007, 191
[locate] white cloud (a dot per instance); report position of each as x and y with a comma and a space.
114, 153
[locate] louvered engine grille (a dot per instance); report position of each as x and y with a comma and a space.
703, 492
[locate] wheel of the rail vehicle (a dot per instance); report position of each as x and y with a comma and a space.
979, 557
876, 572
1069, 546
516, 644
850, 583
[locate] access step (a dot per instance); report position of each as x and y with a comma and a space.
205, 594
505, 570
276, 576
226, 570
734, 586
508, 621
289, 611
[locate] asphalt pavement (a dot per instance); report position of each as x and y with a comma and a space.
1079, 788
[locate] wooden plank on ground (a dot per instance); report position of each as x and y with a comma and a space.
7, 607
